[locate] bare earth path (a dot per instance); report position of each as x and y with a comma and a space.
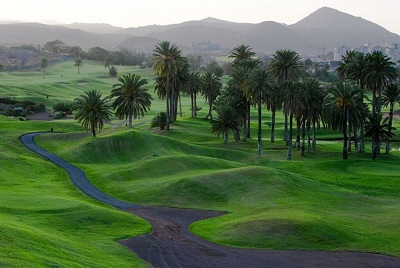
172, 245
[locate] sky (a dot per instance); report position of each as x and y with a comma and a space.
130, 13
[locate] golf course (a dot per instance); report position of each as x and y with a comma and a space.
313, 204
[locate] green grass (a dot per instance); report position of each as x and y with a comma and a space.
316, 202
45, 220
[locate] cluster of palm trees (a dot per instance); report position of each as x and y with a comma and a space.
131, 101
279, 85
174, 78
377, 73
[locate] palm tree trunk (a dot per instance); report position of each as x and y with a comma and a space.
303, 145
289, 141
248, 119
226, 132
309, 135
180, 104
390, 127
130, 120
236, 135
298, 126
349, 137
344, 130
259, 128
356, 144
209, 110
192, 104
273, 125
314, 140
195, 104
244, 128
93, 130
362, 142
286, 133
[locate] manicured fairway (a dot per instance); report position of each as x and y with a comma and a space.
316, 202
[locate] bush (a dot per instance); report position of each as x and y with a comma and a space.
65, 107
113, 71
7, 101
37, 108
159, 120
59, 115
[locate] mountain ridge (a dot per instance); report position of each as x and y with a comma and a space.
325, 28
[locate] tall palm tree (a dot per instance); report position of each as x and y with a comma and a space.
210, 88
192, 88
244, 61
295, 100
167, 60
274, 103
286, 65
226, 119
132, 99
256, 91
93, 111
377, 130
313, 113
43, 64
240, 53
343, 103
343, 69
78, 63
390, 96
379, 71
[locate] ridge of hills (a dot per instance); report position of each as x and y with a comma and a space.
326, 28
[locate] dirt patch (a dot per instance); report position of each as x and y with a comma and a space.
172, 245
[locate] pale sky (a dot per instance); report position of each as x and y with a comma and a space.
130, 13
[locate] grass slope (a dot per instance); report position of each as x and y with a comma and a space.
45, 220
315, 202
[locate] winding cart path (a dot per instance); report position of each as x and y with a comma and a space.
172, 245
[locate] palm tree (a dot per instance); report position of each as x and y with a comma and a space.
132, 99
343, 69
295, 100
226, 119
240, 53
316, 98
256, 91
167, 60
43, 64
286, 65
93, 111
274, 103
210, 88
244, 61
379, 71
78, 63
192, 88
377, 130
390, 96
343, 102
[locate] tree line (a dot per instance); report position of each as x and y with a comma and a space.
279, 85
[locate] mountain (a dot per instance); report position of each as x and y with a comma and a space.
330, 28
100, 28
326, 28
36, 33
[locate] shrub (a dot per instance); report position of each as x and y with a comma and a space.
58, 115
113, 71
65, 107
159, 120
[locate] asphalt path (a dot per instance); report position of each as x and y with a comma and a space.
171, 244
